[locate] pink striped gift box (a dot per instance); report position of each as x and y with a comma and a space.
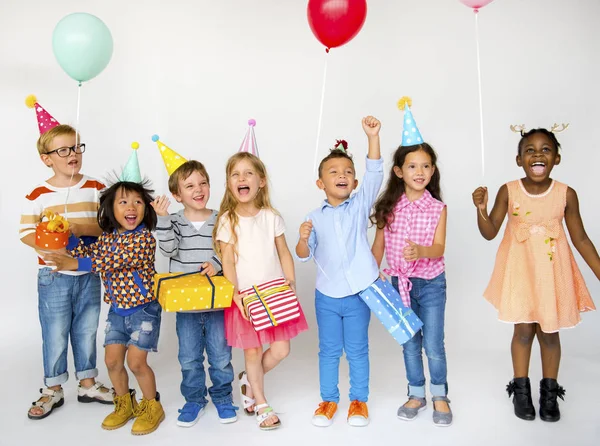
270, 304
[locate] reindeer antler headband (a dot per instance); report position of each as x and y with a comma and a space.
554, 129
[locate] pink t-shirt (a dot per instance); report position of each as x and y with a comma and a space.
416, 221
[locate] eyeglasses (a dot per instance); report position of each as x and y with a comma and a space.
64, 152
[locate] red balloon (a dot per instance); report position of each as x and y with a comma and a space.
336, 22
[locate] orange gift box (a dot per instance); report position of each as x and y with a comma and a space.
48, 239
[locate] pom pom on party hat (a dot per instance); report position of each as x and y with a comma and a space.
249, 142
45, 120
131, 171
171, 158
411, 135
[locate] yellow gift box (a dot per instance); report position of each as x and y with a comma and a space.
192, 292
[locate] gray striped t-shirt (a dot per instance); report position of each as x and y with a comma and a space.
187, 247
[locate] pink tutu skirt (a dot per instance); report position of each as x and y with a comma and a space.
240, 333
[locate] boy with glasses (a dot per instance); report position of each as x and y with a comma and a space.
68, 302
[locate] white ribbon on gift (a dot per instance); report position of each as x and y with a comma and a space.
399, 313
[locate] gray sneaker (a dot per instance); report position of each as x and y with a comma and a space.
442, 419
410, 413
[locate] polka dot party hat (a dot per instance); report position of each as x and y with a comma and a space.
249, 142
131, 171
410, 134
171, 158
44, 119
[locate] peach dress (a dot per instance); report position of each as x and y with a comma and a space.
535, 278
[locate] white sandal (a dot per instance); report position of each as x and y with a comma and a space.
262, 417
98, 393
56, 398
247, 402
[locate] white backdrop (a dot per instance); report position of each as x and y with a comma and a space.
195, 71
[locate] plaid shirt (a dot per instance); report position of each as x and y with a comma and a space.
416, 221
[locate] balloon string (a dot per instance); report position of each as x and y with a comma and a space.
320, 114
480, 95
76, 144
480, 101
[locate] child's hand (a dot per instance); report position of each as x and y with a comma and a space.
161, 205
411, 251
291, 284
382, 276
238, 299
74, 228
207, 269
62, 262
305, 229
371, 126
480, 198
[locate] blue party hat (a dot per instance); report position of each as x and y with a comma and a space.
131, 171
410, 134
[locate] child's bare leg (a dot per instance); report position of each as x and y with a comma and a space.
256, 377
551, 352
276, 353
520, 348
114, 358
137, 362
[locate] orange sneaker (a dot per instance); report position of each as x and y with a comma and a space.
358, 414
323, 416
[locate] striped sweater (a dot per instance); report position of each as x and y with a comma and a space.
186, 247
79, 204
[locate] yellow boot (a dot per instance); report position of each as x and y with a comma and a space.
125, 406
149, 414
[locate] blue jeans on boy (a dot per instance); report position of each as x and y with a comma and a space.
343, 326
197, 332
140, 328
68, 306
428, 301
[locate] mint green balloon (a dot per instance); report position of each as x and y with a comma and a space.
82, 45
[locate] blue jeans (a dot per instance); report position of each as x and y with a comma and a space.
68, 306
343, 325
141, 328
428, 301
198, 332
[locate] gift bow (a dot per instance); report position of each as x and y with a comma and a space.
549, 228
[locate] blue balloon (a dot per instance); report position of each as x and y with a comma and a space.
82, 45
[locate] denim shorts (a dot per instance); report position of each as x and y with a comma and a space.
141, 328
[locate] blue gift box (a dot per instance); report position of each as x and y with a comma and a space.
383, 300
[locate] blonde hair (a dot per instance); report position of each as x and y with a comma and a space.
229, 202
184, 171
45, 139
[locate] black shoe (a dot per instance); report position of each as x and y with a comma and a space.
550, 391
521, 388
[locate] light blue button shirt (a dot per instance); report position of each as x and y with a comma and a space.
338, 242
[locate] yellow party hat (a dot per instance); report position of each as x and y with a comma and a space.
170, 157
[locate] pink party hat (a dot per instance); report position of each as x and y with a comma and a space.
249, 142
45, 119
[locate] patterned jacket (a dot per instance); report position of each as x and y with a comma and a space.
125, 263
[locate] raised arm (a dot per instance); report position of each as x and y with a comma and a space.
371, 126
490, 224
